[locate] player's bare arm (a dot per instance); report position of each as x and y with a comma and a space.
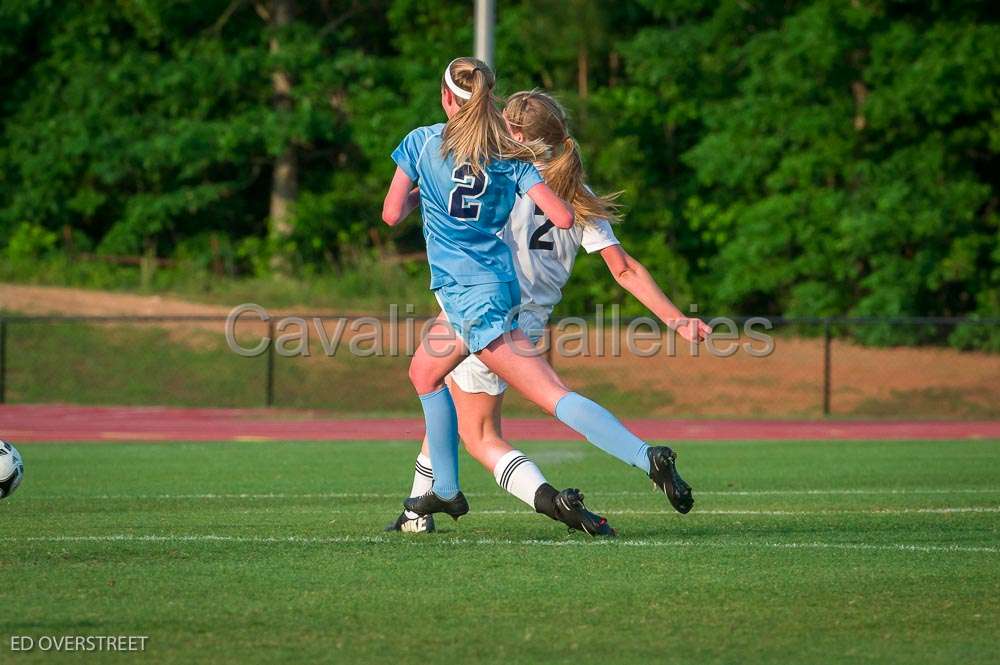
401, 199
557, 210
634, 278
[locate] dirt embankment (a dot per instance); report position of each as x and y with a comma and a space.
865, 381
43, 300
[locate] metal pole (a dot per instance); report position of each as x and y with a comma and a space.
269, 397
826, 367
485, 21
3, 361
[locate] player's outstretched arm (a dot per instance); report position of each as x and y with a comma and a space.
401, 199
634, 278
558, 211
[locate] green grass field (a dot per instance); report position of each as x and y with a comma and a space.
257, 552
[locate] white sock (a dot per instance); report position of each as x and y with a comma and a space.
518, 475
423, 479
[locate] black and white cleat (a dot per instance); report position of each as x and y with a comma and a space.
430, 503
418, 524
663, 473
571, 512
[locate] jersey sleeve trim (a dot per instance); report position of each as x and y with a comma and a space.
401, 155
598, 235
529, 178
423, 148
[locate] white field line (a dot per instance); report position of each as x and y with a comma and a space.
491, 542
739, 513
873, 511
398, 495
613, 512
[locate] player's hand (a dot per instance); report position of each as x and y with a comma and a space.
691, 330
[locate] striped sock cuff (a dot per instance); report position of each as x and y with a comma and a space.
518, 475
423, 467
511, 467
423, 476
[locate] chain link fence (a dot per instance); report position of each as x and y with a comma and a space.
913, 368
847, 368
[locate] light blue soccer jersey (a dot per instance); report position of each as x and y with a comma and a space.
462, 211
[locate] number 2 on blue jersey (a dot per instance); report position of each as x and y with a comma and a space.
470, 186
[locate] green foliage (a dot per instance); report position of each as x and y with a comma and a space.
850, 172
28, 242
811, 158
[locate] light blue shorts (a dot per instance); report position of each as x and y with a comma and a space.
473, 376
480, 313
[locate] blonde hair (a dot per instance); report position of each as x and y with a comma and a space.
477, 132
541, 118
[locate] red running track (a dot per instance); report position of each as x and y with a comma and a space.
54, 422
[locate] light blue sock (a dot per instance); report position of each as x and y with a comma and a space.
441, 422
602, 429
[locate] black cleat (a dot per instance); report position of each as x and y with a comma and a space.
419, 524
663, 473
571, 512
430, 503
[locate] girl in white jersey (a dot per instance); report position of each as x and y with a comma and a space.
544, 258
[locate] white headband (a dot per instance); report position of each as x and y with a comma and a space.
450, 82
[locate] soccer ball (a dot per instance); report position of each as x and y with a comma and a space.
11, 469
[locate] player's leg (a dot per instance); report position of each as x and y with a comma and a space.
512, 358
438, 353
479, 425
528, 373
473, 315
423, 481
485, 448
478, 395
479, 429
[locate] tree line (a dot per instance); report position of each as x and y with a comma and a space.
821, 157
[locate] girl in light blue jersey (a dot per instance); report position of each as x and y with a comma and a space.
544, 260
467, 174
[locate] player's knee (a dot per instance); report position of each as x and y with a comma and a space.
424, 380
484, 449
473, 441
482, 441
471, 433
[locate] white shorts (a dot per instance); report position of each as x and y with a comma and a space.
473, 376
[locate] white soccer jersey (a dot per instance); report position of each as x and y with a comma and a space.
544, 255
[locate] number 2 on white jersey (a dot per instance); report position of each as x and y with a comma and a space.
462, 203
536, 241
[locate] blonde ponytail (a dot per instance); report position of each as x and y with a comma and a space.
477, 133
541, 118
